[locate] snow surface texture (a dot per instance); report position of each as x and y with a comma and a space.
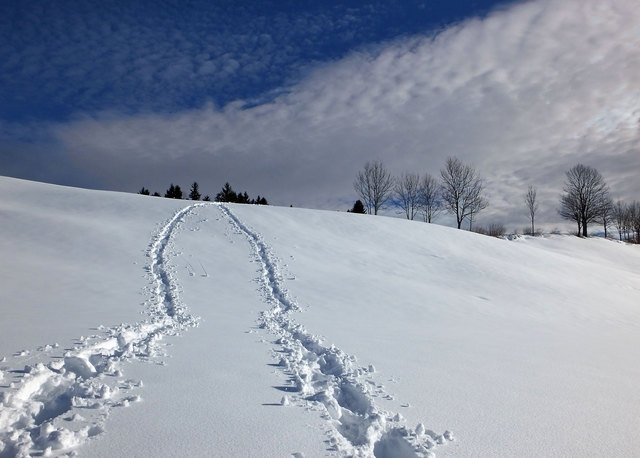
44, 411
526, 347
57, 406
329, 378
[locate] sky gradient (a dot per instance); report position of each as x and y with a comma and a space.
289, 99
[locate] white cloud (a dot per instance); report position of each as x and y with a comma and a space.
523, 94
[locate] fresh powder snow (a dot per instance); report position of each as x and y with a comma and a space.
134, 325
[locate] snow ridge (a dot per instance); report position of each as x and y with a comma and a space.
58, 402
327, 379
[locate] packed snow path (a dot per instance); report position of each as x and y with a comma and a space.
329, 380
53, 406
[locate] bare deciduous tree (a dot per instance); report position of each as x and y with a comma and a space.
532, 205
430, 200
480, 204
619, 215
494, 230
407, 191
633, 219
585, 196
374, 185
607, 214
462, 190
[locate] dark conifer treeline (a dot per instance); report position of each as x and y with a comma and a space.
227, 194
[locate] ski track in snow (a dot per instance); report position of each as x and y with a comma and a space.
325, 378
56, 403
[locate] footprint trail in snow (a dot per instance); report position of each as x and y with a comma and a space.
58, 402
326, 378
55, 403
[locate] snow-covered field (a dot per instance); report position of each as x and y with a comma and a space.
140, 326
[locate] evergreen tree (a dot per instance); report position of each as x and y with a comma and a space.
207, 198
144, 191
194, 194
358, 207
227, 194
170, 192
174, 192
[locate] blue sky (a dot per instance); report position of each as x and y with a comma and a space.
289, 99
65, 57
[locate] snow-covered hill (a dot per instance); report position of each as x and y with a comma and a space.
140, 326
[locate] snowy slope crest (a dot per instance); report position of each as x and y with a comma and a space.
329, 380
58, 401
